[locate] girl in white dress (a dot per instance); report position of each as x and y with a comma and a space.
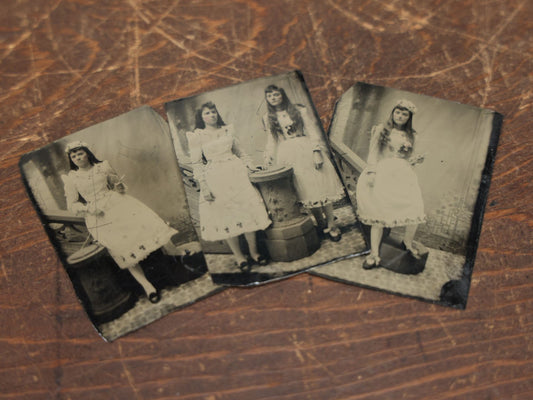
229, 204
295, 140
125, 226
387, 192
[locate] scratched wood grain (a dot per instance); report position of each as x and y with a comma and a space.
66, 65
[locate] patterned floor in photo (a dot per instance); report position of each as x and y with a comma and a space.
352, 242
440, 268
145, 312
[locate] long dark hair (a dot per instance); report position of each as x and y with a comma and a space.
199, 122
384, 137
90, 156
294, 113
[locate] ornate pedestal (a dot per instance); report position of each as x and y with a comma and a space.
292, 235
92, 269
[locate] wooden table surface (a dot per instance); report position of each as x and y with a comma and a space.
69, 64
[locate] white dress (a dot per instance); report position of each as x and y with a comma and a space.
237, 206
125, 226
314, 187
395, 198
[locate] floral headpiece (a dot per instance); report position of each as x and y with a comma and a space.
75, 145
407, 105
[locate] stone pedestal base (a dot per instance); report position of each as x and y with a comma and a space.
93, 269
401, 261
293, 241
292, 236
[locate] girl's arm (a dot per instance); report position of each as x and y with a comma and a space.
416, 158
270, 147
314, 133
373, 153
373, 150
72, 196
237, 149
114, 181
311, 129
195, 155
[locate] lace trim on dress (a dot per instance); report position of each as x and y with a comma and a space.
236, 229
320, 203
392, 223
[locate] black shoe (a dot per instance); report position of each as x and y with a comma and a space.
371, 262
261, 260
334, 234
244, 266
412, 251
154, 297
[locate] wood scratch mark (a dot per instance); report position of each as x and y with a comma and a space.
36, 75
355, 18
23, 36
326, 56
298, 352
450, 337
434, 73
505, 23
421, 346
4, 271
135, 6
58, 51
488, 63
414, 21
17, 145
511, 171
134, 53
128, 375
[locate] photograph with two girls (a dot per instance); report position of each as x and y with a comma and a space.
261, 184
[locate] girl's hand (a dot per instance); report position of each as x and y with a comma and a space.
371, 179
269, 161
418, 159
255, 168
120, 187
318, 158
208, 195
92, 209
95, 211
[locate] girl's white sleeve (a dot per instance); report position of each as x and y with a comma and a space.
72, 196
195, 155
237, 148
311, 129
112, 176
270, 147
373, 150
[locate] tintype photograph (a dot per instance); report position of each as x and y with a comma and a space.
263, 190
417, 170
112, 202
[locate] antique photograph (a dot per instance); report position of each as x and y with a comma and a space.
112, 202
417, 170
264, 193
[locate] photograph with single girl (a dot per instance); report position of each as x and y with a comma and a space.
111, 200
417, 170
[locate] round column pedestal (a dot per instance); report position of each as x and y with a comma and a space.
92, 268
292, 235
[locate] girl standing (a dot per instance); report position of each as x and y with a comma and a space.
229, 204
294, 140
387, 192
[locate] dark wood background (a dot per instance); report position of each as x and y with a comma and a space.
66, 65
